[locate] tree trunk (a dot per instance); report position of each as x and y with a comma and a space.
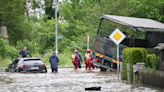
3, 33
26, 10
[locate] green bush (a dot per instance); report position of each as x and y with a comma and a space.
132, 56
124, 71
7, 51
46, 58
10, 51
32, 46
4, 62
152, 62
64, 58
1, 47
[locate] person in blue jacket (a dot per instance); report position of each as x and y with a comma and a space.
54, 62
24, 52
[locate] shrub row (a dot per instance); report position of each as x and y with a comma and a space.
7, 51
137, 55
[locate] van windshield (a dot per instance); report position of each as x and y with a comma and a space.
107, 27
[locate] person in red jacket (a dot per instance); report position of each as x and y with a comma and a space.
88, 59
75, 60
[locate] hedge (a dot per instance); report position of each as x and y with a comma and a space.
152, 62
132, 56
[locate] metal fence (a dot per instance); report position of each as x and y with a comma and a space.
152, 78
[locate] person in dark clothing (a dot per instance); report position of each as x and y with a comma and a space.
54, 62
79, 60
24, 52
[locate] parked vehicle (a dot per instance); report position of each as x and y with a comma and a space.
27, 65
140, 32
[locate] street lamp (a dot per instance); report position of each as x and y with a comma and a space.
56, 26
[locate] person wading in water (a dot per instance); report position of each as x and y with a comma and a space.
88, 59
75, 60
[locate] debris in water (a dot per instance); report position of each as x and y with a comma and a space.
93, 88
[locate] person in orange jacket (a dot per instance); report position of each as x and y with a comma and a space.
88, 59
75, 60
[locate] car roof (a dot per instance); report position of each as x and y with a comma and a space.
33, 58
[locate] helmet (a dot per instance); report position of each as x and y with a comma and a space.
88, 51
75, 51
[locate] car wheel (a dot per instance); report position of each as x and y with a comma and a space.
18, 70
45, 70
6, 70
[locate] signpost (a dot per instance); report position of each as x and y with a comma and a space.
60, 37
87, 41
117, 37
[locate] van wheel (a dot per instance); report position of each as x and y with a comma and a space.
107, 64
103, 69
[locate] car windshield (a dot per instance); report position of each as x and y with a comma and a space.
32, 61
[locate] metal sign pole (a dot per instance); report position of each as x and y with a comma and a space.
87, 41
56, 25
117, 37
118, 63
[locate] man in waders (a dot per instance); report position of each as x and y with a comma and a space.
79, 58
75, 60
88, 59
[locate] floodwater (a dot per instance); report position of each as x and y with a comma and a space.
66, 81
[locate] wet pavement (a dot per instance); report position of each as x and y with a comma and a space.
66, 81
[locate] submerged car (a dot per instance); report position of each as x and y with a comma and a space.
27, 65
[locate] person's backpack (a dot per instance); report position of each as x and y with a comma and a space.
74, 57
78, 58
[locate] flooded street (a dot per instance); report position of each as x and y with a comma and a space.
65, 81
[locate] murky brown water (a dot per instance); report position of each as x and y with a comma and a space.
65, 81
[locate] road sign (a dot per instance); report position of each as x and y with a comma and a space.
60, 37
117, 36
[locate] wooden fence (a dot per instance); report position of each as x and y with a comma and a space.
152, 78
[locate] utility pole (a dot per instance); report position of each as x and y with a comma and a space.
56, 26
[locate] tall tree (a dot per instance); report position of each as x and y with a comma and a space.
48, 8
11, 10
12, 15
147, 9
